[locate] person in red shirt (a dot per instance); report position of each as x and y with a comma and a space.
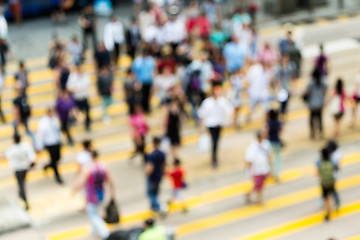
199, 25
177, 177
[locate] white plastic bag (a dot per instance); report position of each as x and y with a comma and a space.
335, 105
204, 143
165, 145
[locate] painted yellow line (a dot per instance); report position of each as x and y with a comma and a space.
303, 223
357, 237
322, 21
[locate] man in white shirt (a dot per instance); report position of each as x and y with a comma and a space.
49, 136
258, 159
21, 157
79, 85
3, 25
214, 113
114, 37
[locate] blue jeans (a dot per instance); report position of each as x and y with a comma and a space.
25, 123
98, 225
152, 192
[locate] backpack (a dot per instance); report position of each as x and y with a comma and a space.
326, 170
195, 82
25, 109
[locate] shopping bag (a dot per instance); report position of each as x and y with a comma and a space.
112, 213
204, 143
165, 144
335, 105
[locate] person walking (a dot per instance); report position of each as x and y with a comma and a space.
151, 231
337, 106
133, 37
21, 157
144, 67
139, 130
49, 137
315, 98
114, 37
87, 22
335, 156
21, 78
355, 100
177, 176
79, 85
258, 159
214, 113
102, 57
105, 87
84, 158
2, 85
76, 51
154, 171
62, 73
326, 171
321, 63
93, 180
65, 107
274, 127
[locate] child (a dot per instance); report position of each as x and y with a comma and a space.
177, 177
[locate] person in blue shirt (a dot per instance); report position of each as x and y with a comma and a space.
234, 55
154, 170
144, 67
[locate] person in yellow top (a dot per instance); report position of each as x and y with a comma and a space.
152, 231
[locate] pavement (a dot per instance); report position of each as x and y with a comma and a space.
215, 197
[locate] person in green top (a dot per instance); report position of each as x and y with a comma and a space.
152, 231
218, 36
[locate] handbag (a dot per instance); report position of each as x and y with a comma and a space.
112, 213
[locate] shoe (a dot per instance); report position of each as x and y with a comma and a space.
327, 218
59, 181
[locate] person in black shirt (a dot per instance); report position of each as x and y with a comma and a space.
154, 170
88, 23
133, 37
102, 57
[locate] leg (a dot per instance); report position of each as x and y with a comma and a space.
97, 223
1, 113
20, 177
327, 207
215, 135
85, 41
336, 198
320, 123
94, 39
29, 132
146, 89
312, 127
65, 129
277, 166
153, 190
54, 152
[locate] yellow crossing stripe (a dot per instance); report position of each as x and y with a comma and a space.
357, 237
303, 223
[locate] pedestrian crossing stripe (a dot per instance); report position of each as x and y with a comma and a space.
304, 223
357, 237
280, 202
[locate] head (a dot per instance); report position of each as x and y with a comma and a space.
156, 142
22, 65
17, 138
289, 35
273, 115
177, 162
332, 146
217, 91
86, 144
325, 156
79, 68
114, 19
321, 48
260, 136
75, 39
149, 223
65, 95
94, 155
285, 59
339, 86
51, 112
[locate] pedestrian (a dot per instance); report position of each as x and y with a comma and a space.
173, 116
321, 63
214, 113
284, 75
105, 88
2, 86
76, 51
356, 100
133, 37
144, 68
315, 98
79, 86
49, 137
268, 55
87, 22
102, 57
336, 156
258, 159
56, 52
139, 129
152, 231
284, 43
164, 82
237, 80
326, 171
132, 89
274, 128
3, 28
337, 106
177, 176
154, 170
93, 180
62, 73
66, 110
21, 157
114, 37
84, 158
16, 10
234, 55
22, 113
21, 78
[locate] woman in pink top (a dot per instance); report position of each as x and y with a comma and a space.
268, 55
139, 129
337, 105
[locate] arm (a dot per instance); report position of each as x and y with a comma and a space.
17, 115
149, 168
80, 182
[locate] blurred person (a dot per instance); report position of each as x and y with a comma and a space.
337, 106
295, 57
285, 73
234, 55
218, 36
62, 74
237, 80
21, 77
212, 10
16, 10
356, 100
199, 26
84, 158
49, 137
214, 112
336, 156
326, 171
3, 26
132, 89
321, 63
59, 7
79, 86
114, 37
258, 159
76, 51
102, 57
144, 68
22, 113
105, 87
87, 22
173, 118
152, 231
240, 18
154, 171
284, 43
94, 179
167, 59
133, 37
274, 128
174, 30
65, 108
268, 55
21, 157
146, 19
253, 44
315, 98
56, 52
2, 86
139, 129
4, 53
177, 176
137, 4
164, 82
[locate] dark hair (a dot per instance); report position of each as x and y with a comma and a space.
94, 154
339, 86
316, 76
156, 141
325, 154
259, 134
149, 222
86, 143
321, 47
177, 162
17, 138
332, 146
21, 63
273, 115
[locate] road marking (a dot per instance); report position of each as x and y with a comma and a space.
357, 237
303, 223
